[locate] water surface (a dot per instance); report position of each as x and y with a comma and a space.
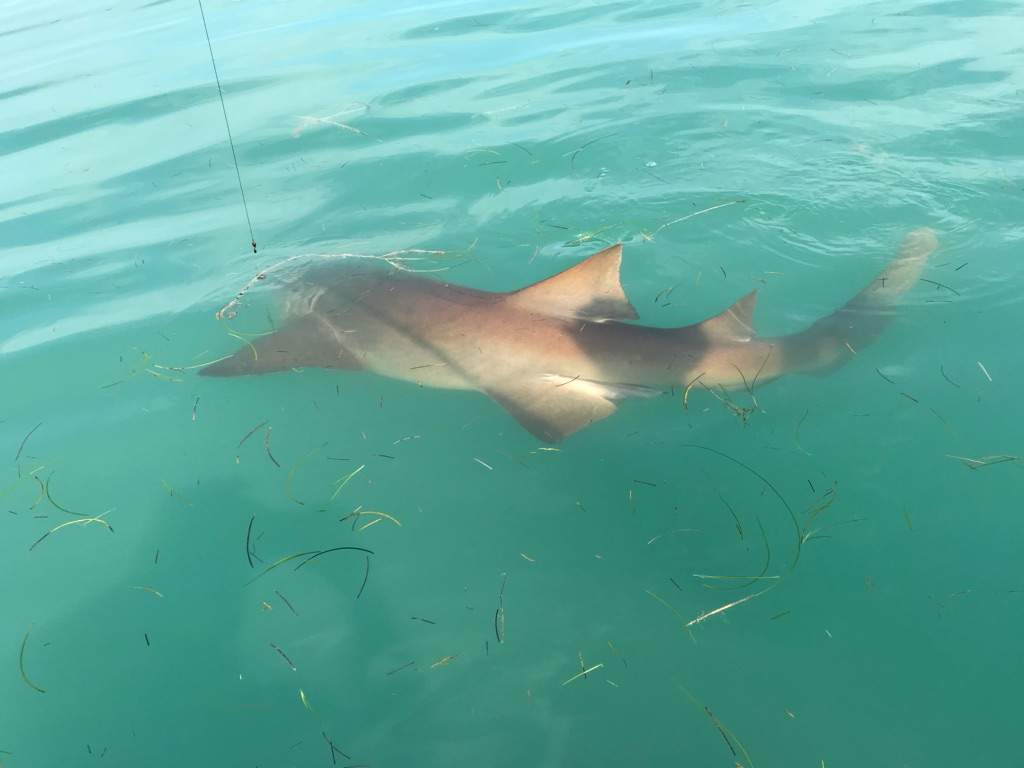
517, 139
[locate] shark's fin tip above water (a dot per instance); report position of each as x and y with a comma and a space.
588, 290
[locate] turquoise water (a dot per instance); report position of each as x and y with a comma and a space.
517, 140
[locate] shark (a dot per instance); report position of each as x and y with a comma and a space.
562, 353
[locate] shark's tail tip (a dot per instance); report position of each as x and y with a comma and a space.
920, 242
903, 271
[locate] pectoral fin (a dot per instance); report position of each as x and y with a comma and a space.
553, 407
306, 341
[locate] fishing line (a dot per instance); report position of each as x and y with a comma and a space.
227, 125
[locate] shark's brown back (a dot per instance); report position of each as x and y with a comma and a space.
555, 354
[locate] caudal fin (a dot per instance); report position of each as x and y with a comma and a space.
833, 339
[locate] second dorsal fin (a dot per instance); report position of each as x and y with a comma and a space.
734, 324
589, 290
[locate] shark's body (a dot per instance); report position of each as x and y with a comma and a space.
556, 355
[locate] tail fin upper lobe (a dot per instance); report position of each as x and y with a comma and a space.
830, 341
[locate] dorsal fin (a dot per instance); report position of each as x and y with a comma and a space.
734, 324
590, 290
